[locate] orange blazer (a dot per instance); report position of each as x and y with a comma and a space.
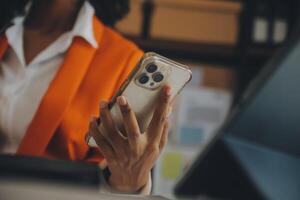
86, 76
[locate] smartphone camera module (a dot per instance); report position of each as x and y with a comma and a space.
143, 79
158, 77
153, 75
151, 68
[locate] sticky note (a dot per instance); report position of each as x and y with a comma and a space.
191, 135
172, 164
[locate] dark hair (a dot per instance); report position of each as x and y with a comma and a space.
108, 11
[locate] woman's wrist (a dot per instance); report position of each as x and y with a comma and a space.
125, 185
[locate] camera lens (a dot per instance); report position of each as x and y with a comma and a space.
158, 77
151, 68
143, 79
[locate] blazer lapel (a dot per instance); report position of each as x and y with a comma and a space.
3, 46
59, 95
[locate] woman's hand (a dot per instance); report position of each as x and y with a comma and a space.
130, 160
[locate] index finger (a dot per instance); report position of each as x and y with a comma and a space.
130, 122
160, 115
110, 132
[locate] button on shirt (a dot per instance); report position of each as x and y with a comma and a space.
22, 86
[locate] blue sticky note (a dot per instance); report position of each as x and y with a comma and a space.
190, 135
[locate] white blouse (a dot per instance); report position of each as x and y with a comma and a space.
22, 86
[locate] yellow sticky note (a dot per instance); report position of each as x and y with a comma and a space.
172, 165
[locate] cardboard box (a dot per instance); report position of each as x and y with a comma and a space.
213, 76
206, 21
132, 23
219, 77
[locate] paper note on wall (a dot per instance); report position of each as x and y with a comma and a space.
197, 114
172, 165
200, 112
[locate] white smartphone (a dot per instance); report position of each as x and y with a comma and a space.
143, 87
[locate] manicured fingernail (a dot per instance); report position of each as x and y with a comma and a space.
168, 90
121, 101
103, 104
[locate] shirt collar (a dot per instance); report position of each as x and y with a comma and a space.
84, 24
